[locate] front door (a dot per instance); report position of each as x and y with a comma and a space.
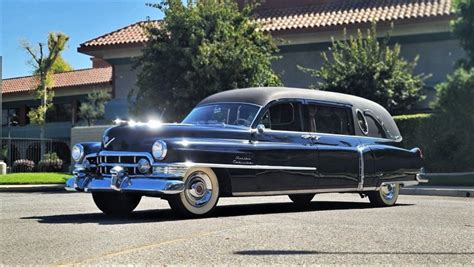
286, 148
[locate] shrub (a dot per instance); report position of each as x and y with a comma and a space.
446, 144
50, 156
23, 165
50, 163
366, 67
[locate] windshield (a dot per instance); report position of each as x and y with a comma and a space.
223, 114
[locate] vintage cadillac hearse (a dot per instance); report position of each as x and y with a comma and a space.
250, 142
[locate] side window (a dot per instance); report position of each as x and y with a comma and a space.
375, 129
283, 117
330, 119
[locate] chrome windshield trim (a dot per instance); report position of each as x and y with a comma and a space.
217, 103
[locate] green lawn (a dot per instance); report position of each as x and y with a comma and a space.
34, 178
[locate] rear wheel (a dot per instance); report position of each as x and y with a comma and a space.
387, 195
115, 203
301, 199
200, 195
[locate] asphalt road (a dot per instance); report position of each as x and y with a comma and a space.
66, 228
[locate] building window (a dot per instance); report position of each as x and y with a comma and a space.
9, 114
59, 113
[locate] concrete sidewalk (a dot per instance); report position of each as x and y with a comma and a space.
449, 191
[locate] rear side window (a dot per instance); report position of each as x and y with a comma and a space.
329, 119
375, 129
362, 122
284, 117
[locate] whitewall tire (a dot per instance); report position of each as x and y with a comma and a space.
385, 197
200, 195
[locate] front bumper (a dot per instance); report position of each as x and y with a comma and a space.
125, 184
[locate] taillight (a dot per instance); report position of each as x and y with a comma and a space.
421, 153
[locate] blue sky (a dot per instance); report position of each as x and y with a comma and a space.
81, 20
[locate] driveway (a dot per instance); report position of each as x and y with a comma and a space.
66, 228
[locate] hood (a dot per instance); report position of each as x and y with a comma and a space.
142, 137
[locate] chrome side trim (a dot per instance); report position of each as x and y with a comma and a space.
236, 166
194, 164
302, 191
361, 150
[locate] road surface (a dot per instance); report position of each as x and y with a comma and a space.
66, 228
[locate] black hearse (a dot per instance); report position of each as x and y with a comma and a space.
250, 142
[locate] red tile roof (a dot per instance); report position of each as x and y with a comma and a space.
342, 13
317, 16
61, 80
129, 35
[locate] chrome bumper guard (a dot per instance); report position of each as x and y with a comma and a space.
119, 181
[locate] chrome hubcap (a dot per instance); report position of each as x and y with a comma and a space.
388, 191
198, 189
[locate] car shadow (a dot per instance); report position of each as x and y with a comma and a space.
143, 216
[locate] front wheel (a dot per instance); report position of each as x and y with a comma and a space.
115, 203
200, 195
387, 195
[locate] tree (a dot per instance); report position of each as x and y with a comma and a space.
94, 108
60, 65
199, 49
43, 70
365, 67
456, 95
463, 27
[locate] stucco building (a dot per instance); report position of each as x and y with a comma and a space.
305, 29
70, 89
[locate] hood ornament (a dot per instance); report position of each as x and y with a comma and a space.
107, 141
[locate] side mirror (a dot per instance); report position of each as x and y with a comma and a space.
260, 128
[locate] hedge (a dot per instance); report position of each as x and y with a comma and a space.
447, 143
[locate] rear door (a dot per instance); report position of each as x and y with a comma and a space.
338, 155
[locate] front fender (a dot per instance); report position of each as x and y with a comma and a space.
201, 150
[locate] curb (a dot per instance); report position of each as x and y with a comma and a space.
438, 191
32, 188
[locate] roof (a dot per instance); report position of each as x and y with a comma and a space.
264, 95
130, 35
343, 13
66, 79
317, 17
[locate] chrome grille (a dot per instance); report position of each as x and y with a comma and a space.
104, 162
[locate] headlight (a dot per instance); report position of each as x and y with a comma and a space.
159, 150
77, 152
144, 166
